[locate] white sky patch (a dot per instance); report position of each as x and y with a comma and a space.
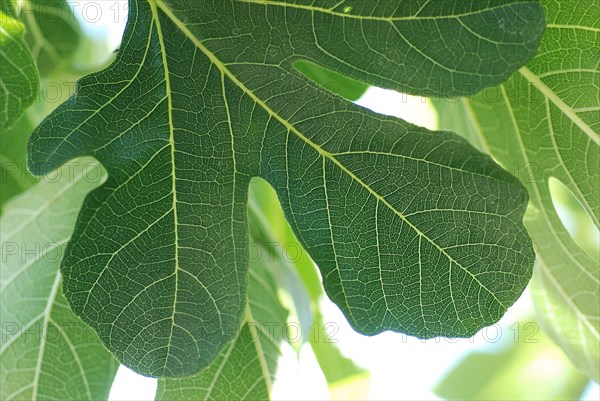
103, 19
414, 109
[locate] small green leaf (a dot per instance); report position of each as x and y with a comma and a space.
46, 352
413, 230
19, 78
348, 88
544, 123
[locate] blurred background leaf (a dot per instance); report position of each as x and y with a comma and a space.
342, 85
345, 379
53, 33
19, 78
529, 367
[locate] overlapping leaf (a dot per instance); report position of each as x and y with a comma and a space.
507, 373
413, 231
53, 34
544, 123
299, 277
46, 352
245, 369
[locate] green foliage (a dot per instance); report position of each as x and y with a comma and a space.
215, 106
245, 368
543, 124
53, 33
46, 351
526, 367
348, 88
13, 144
19, 79
411, 230
297, 276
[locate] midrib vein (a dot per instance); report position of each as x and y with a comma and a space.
252, 323
169, 13
558, 102
330, 11
43, 340
163, 49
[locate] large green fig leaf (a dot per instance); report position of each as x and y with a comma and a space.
414, 231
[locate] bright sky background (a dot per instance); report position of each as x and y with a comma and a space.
401, 368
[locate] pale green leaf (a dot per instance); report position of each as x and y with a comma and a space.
413, 230
544, 123
528, 366
46, 352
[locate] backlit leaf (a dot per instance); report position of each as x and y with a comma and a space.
245, 369
544, 123
413, 230
46, 352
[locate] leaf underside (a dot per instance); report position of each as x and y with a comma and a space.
414, 231
245, 369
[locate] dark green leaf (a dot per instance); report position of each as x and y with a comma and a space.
414, 231
245, 369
